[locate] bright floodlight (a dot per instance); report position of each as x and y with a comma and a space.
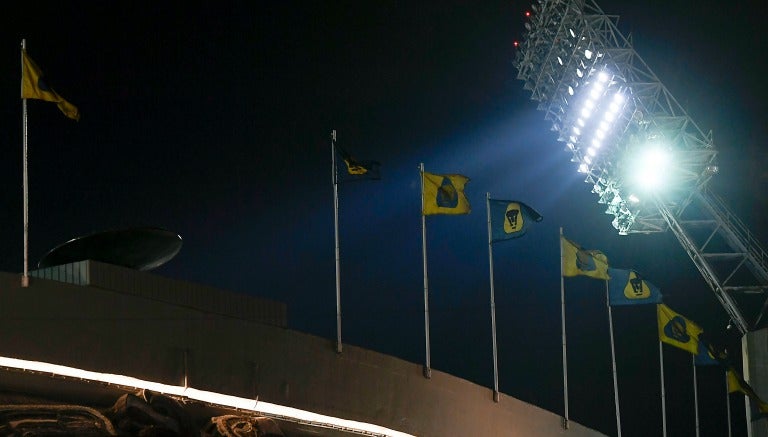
588, 54
651, 168
602, 76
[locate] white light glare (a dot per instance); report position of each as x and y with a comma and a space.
596, 143
573, 34
618, 98
576, 130
591, 151
602, 76
580, 122
255, 405
588, 160
633, 198
588, 54
651, 168
559, 60
583, 168
579, 73
589, 104
595, 93
585, 112
570, 90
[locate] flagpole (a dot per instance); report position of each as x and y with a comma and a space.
613, 361
562, 323
493, 302
728, 403
25, 178
695, 394
745, 371
663, 399
334, 180
427, 366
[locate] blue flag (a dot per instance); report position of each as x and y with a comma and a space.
708, 355
627, 287
510, 218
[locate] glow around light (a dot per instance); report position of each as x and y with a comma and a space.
583, 168
255, 405
651, 168
634, 199
588, 54
602, 76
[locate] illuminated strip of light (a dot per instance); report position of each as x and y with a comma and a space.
256, 406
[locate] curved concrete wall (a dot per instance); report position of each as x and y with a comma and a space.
113, 332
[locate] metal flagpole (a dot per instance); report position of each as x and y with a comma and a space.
427, 366
493, 302
745, 371
562, 323
25, 180
695, 394
613, 360
728, 403
663, 399
334, 179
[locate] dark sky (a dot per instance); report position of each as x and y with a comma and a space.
213, 120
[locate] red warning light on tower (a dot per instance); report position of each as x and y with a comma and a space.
527, 14
516, 44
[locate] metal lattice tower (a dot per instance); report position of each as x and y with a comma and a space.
607, 105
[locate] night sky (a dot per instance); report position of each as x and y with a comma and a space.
213, 120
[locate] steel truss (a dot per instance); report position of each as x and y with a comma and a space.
567, 44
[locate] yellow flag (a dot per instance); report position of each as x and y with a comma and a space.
578, 261
676, 330
444, 194
734, 385
34, 87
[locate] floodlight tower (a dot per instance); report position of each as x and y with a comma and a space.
640, 152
